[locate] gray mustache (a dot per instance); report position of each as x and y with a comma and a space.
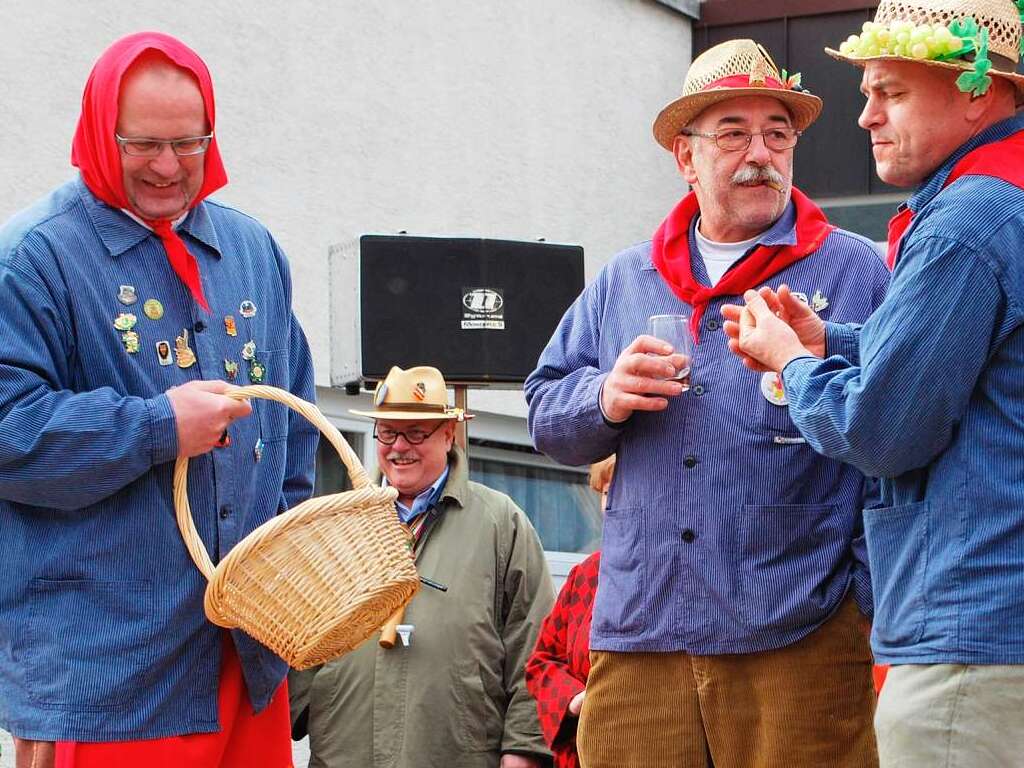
749, 174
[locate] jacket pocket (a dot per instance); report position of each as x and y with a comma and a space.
788, 557
88, 643
621, 590
897, 539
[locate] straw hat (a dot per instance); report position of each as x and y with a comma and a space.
418, 393
1001, 19
727, 71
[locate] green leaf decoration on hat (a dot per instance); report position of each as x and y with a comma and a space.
966, 27
977, 81
794, 81
1020, 12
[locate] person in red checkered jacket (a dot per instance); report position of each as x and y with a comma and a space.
556, 672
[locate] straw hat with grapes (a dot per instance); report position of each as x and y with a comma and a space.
981, 38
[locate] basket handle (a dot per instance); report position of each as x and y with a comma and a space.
182, 509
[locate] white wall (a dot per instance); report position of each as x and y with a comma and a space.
517, 119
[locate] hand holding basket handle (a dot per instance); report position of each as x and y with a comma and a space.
316, 581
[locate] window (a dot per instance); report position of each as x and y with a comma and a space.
558, 500
331, 474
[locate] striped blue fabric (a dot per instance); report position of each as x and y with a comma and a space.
725, 532
931, 401
102, 631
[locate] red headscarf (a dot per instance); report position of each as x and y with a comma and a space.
96, 153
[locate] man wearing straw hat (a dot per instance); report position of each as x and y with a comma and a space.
130, 301
456, 694
927, 395
729, 626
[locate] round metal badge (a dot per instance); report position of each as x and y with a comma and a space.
772, 389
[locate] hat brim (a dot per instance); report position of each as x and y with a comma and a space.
956, 66
411, 415
804, 107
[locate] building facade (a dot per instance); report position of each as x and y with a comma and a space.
520, 120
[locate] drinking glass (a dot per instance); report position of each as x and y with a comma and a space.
675, 329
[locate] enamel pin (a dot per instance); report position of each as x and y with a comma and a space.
126, 295
247, 309
131, 341
154, 309
249, 350
257, 371
819, 302
231, 369
229, 326
163, 352
125, 321
186, 357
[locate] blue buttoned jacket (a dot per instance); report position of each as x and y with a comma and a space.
102, 631
929, 396
725, 532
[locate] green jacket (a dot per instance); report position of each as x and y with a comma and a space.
456, 697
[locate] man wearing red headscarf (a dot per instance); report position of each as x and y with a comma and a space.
131, 302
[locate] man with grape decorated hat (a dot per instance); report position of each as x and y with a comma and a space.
928, 394
728, 626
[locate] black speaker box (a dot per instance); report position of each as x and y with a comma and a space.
481, 311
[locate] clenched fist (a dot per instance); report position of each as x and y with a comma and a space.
203, 412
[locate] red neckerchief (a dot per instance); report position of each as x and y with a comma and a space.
1000, 159
96, 153
671, 255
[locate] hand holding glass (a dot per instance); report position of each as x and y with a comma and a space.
674, 329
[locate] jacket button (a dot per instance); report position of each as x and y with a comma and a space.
199, 327
688, 536
225, 512
690, 462
712, 325
698, 390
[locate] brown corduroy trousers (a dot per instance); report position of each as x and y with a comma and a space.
808, 705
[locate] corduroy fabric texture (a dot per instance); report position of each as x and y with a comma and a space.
808, 705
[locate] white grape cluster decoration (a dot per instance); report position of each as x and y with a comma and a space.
930, 42
904, 38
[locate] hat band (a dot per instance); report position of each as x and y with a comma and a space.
422, 407
743, 81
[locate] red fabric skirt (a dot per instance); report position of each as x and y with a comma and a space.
245, 739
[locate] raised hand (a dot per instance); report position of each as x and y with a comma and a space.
804, 322
639, 379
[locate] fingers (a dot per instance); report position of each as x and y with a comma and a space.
771, 299
216, 386
644, 344
632, 403
757, 306
792, 304
654, 366
238, 409
731, 312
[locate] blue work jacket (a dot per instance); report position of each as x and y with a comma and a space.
102, 631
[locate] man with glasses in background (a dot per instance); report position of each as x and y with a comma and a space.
130, 303
455, 695
729, 626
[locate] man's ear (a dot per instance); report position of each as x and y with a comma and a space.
682, 148
449, 433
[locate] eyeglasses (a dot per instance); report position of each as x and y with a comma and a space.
413, 436
142, 147
737, 140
